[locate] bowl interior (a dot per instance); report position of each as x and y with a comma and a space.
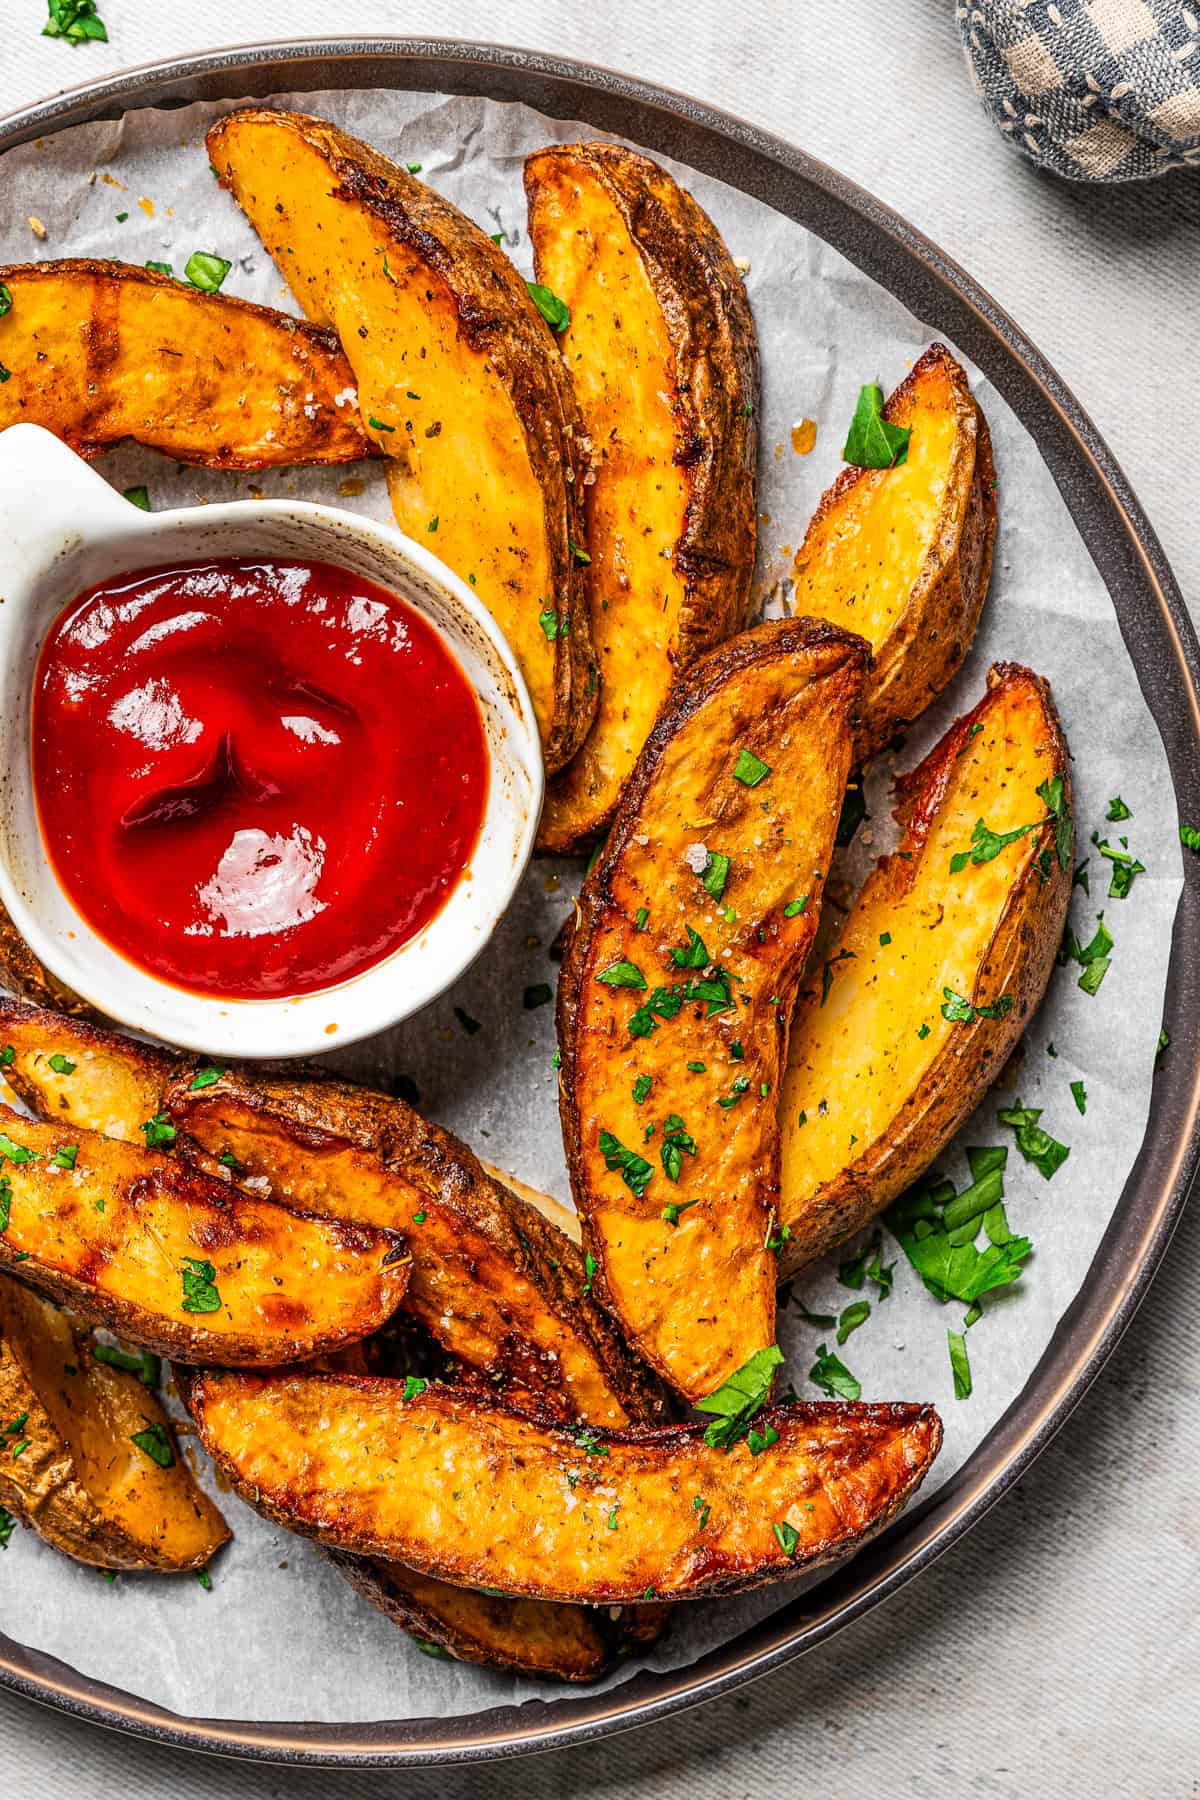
118, 540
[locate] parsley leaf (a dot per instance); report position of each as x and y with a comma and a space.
694, 955
159, 1131
61, 1064
155, 1442
1054, 795
75, 20
676, 1143
1117, 810
204, 1078
1189, 837
871, 443
1035, 1145
959, 1364
556, 312
987, 844
854, 1315
635, 1171
786, 1536
621, 975
641, 1088
1125, 869
716, 874
17, 1153
750, 769
200, 1293
738, 1400
1079, 1095
206, 271
959, 1010
831, 1375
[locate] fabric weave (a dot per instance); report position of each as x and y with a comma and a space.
1096, 90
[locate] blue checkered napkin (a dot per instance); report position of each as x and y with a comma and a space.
1097, 90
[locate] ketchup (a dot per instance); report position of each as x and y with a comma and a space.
255, 779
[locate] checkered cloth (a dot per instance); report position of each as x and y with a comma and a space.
1097, 90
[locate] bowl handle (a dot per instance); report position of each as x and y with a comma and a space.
57, 499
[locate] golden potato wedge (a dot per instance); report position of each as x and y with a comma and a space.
22, 971
459, 378
170, 1259
936, 972
462, 1488
904, 555
100, 351
663, 353
537, 1637
70, 1462
492, 1279
675, 996
80, 1075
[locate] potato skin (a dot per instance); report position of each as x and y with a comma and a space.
661, 327
481, 1496
535, 1637
786, 693
79, 1481
82, 1234
101, 351
497, 336
922, 644
494, 1281
1019, 738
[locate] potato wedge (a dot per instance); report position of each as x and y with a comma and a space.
662, 350
492, 1279
100, 351
675, 996
22, 971
167, 1258
498, 1285
70, 1465
904, 555
477, 1495
537, 1637
873, 1055
460, 381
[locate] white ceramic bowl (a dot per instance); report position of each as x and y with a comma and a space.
62, 530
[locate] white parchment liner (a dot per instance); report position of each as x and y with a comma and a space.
282, 1636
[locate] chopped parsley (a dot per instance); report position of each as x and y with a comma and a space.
7, 1526
6, 299
959, 1364
145, 1365
414, 168
854, 1315
589, 1274
634, 1170
156, 1444
17, 1153
1079, 1095
200, 1294
64, 1156
960, 1010
951, 1268
139, 497
827, 972
413, 1385
581, 556
795, 907
621, 975
831, 1375
378, 424
548, 620
61, 1064
1189, 837
1053, 793
694, 955
1125, 868
750, 769
1117, 810
786, 1536
737, 1401
986, 844
871, 442
206, 271
556, 312
1035, 1145
160, 1133
641, 1088
740, 1085
204, 1078
8, 1056
1093, 958
672, 1210
161, 268
76, 21
676, 1144
715, 875
641, 918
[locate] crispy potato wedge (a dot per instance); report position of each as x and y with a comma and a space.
689, 988
872, 1052
170, 1259
492, 1279
537, 1637
473, 1493
80, 1479
904, 555
460, 381
22, 971
100, 351
663, 353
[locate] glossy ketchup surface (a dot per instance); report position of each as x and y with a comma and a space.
255, 779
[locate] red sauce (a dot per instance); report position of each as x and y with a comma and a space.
255, 779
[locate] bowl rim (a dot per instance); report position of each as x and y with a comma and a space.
391, 990
1162, 643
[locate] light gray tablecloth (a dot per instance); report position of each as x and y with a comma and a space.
1055, 1651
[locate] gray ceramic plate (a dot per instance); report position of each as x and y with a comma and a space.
1163, 646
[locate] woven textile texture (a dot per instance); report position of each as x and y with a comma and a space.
1096, 90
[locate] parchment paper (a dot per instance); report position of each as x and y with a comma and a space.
282, 1636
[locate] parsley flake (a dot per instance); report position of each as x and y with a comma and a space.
156, 1444
750, 769
871, 442
737, 1401
200, 1294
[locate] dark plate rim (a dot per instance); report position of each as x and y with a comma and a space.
1163, 647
